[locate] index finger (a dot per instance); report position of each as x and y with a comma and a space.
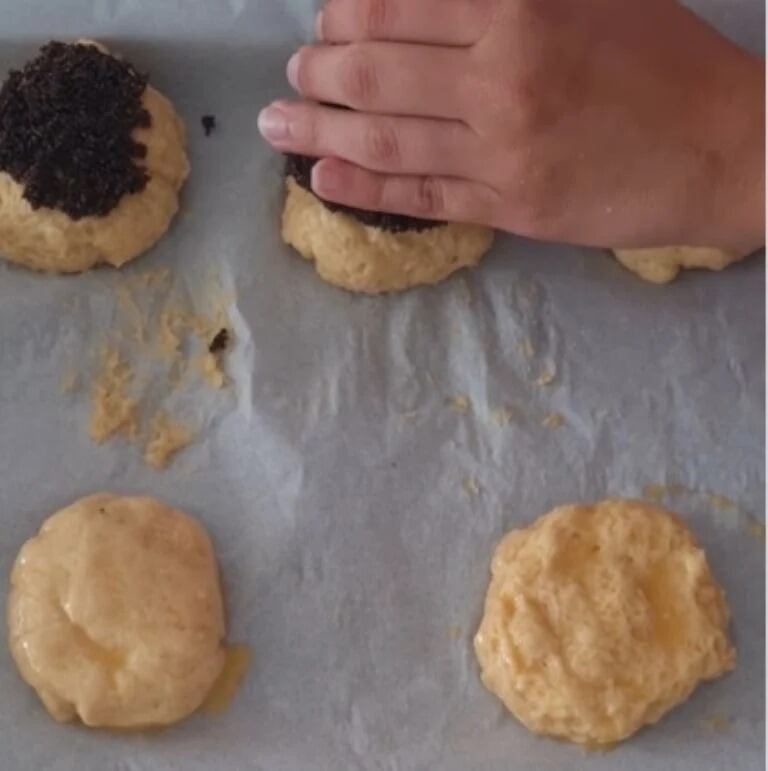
437, 22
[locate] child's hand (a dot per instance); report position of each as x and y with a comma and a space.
598, 122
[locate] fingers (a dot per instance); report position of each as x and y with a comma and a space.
428, 197
379, 77
437, 22
379, 143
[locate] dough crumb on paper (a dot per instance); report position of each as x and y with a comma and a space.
471, 487
113, 411
459, 403
502, 416
209, 367
166, 438
725, 512
654, 493
721, 502
130, 308
756, 528
546, 378
69, 382
455, 632
718, 723
553, 420
526, 348
657, 492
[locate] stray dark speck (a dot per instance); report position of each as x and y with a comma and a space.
209, 124
220, 342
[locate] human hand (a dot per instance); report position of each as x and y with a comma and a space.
590, 121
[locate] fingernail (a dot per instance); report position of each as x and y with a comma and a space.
293, 70
273, 124
319, 25
325, 181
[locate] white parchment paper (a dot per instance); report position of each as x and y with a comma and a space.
354, 502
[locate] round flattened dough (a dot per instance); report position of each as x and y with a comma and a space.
599, 619
49, 240
662, 265
366, 259
115, 613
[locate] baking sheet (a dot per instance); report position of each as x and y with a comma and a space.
353, 496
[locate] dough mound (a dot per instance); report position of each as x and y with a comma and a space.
115, 613
599, 619
49, 240
662, 265
366, 259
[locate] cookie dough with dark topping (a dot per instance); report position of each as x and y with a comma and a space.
299, 167
66, 125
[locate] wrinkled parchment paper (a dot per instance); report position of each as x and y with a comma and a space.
369, 453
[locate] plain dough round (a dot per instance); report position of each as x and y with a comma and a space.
49, 240
366, 259
662, 264
115, 613
599, 619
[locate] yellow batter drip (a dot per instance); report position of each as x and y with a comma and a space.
236, 666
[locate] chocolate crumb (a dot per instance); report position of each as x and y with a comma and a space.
66, 130
299, 167
220, 342
209, 124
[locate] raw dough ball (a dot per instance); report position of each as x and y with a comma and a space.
366, 259
115, 613
50, 240
661, 265
599, 619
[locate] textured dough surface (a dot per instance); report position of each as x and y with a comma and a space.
366, 259
662, 265
115, 613
50, 240
599, 619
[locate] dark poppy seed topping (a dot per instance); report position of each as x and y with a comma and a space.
66, 125
299, 167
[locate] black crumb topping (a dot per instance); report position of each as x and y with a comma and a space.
66, 124
209, 124
300, 168
220, 342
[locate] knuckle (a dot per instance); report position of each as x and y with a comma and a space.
382, 146
429, 197
536, 108
538, 196
305, 69
310, 128
376, 17
359, 79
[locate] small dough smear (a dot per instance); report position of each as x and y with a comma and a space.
115, 613
663, 264
599, 619
166, 438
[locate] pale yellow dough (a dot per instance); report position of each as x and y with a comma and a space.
366, 259
663, 264
49, 240
115, 613
599, 619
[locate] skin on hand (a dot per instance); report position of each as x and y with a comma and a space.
620, 124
